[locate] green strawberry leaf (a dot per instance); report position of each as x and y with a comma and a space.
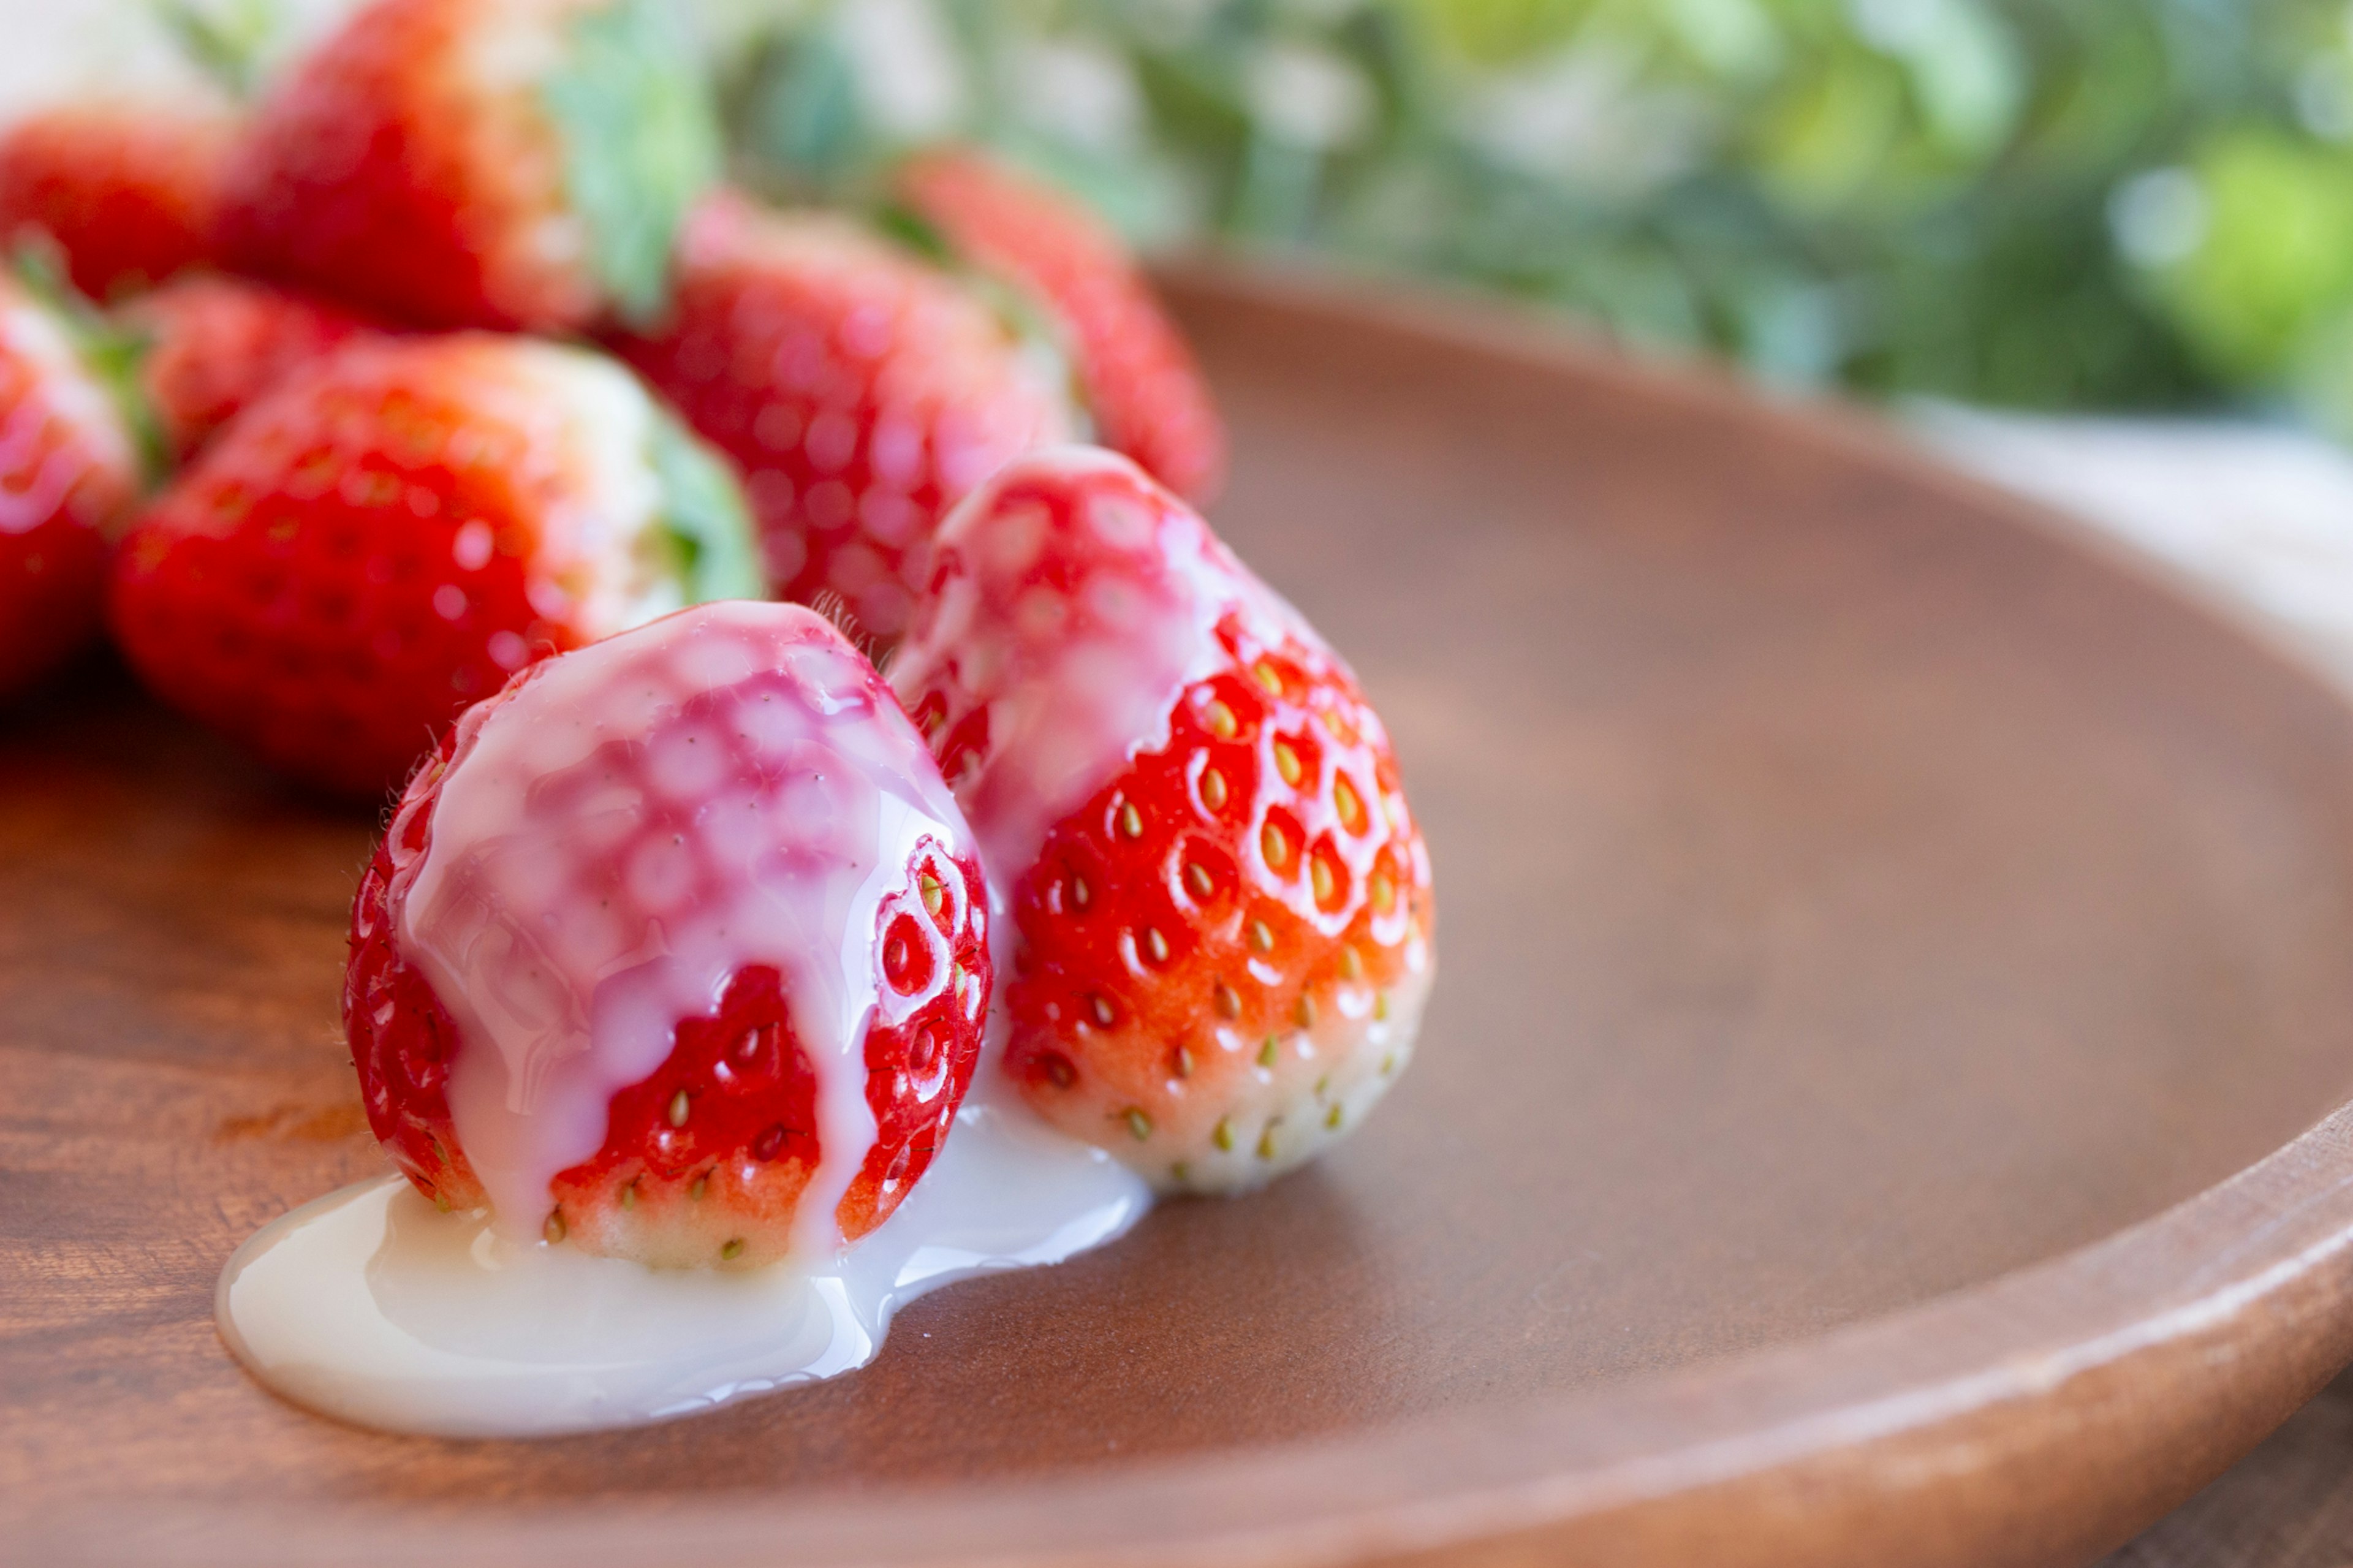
703, 517
229, 41
640, 143
114, 354
914, 232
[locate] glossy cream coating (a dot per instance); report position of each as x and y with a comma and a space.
563, 997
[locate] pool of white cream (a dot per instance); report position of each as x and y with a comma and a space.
372, 1306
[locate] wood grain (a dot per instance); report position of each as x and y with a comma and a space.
1878, 937
2289, 1504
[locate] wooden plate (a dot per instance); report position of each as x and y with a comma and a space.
1881, 1105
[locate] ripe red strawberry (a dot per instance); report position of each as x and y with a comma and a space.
700, 891
1221, 906
70, 469
400, 526
129, 192
1142, 384
213, 343
479, 163
862, 390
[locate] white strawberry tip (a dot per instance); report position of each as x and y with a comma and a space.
628, 827
1322, 1082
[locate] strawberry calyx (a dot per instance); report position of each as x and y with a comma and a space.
228, 43
640, 140
703, 522
114, 354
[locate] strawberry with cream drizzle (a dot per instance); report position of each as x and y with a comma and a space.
676, 950
1216, 906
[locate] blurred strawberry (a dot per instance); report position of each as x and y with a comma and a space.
398, 526
70, 468
520, 164
1141, 385
862, 390
1221, 905
129, 192
212, 343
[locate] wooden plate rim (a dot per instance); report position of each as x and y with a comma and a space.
2000, 1417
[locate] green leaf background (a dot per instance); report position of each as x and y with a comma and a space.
2037, 203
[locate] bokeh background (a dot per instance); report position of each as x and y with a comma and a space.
2054, 203
2123, 204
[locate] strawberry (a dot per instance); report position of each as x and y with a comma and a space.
70, 469
401, 525
1143, 387
129, 192
516, 164
1218, 904
862, 389
213, 343
702, 892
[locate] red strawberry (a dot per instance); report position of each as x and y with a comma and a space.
1219, 905
479, 163
214, 343
70, 469
401, 525
130, 193
1142, 384
862, 390
701, 892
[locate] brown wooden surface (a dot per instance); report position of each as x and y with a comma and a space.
2289, 1504
1871, 928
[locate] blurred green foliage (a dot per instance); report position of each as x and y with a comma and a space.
2046, 203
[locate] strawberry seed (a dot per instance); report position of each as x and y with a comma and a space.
1345, 802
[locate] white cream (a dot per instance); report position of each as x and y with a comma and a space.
564, 993
1075, 684
370, 1306
614, 841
